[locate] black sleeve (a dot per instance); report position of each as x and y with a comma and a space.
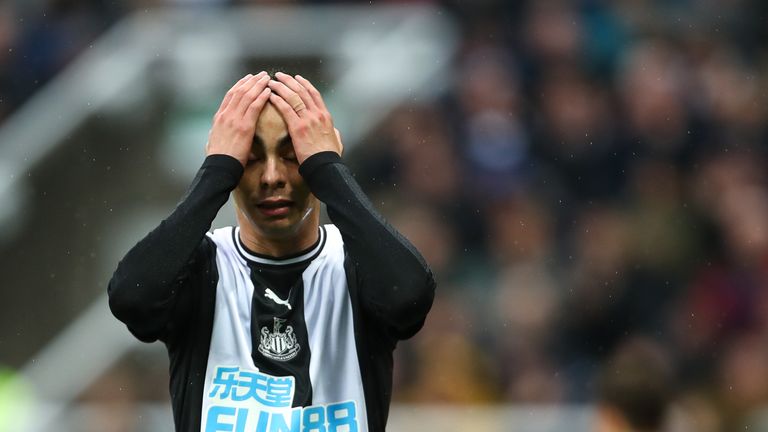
145, 288
396, 285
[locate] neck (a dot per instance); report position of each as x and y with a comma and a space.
279, 245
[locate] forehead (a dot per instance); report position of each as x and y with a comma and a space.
270, 126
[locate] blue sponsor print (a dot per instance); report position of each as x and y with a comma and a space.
340, 417
230, 384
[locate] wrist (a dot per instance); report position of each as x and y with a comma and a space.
225, 163
243, 161
317, 160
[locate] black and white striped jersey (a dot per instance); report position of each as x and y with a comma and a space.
259, 343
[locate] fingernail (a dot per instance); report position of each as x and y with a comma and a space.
265, 77
299, 76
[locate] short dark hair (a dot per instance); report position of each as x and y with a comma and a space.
636, 381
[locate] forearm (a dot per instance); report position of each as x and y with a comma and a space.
397, 284
142, 289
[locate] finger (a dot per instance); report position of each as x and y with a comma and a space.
251, 93
239, 84
253, 111
241, 90
299, 89
341, 143
228, 96
313, 92
285, 109
290, 96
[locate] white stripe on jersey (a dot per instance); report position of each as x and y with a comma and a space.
334, 369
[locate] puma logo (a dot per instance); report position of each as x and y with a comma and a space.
268, 293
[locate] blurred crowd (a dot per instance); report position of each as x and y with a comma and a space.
594, 175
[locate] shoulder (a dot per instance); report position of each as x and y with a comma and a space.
221, 235
222, 240
333, 236
331, 244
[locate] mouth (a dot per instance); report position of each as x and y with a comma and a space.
272, 207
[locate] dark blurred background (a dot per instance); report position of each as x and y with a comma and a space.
579, 174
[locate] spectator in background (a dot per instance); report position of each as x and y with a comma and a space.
655, 89
495, 144
743, 379
634, 389
447, 363
576, 135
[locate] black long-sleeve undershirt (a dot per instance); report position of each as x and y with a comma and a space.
396, 285
144, 288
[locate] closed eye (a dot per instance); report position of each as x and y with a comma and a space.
285, 147
253, 157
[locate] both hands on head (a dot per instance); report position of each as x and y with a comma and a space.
308, 121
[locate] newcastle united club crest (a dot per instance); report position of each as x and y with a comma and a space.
278, 345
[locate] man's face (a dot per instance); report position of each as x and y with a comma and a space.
272, 195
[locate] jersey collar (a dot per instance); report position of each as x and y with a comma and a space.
305, 255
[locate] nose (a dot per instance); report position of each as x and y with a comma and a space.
273, 175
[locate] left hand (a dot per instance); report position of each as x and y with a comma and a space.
308, 120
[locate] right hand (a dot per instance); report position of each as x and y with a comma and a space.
235, 122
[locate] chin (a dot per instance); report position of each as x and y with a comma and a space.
278, 230
281, 228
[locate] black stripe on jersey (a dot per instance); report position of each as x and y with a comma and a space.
374, 354
283, 277
265, 314
188, 346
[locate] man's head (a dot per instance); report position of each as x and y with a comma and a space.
274, 202
634, 389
